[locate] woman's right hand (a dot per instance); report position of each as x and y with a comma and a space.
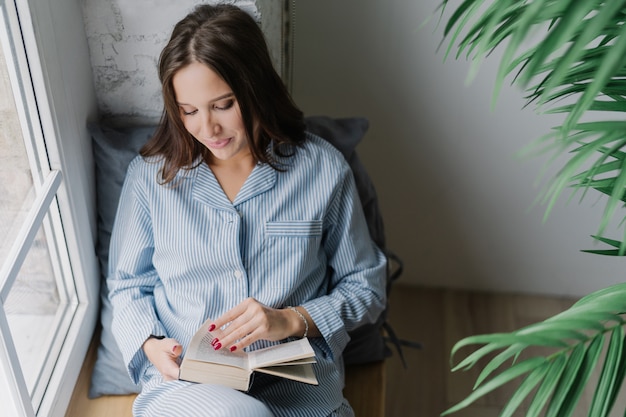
164, 354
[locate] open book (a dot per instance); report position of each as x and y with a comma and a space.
292, 360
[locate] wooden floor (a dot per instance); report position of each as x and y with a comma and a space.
438, 319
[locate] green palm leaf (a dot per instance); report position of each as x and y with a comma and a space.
578, 66
602, 398
580, 59
563, 386
508, 375
512, 351
594, 25
548, 386
575, 338
575, 387
525, 388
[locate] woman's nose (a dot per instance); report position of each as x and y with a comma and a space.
210, 126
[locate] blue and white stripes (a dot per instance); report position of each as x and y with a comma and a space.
182, 253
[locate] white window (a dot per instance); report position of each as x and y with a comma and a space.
48, 272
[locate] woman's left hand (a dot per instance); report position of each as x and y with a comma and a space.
251, 321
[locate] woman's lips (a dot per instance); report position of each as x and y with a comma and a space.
219, 144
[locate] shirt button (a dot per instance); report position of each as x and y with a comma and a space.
238, 274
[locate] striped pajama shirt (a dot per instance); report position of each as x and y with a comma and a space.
183, 252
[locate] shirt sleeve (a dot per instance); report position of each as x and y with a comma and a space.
132, 277
357, 269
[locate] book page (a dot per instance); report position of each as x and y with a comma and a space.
302, 373
285, 352
302, 361
200, 349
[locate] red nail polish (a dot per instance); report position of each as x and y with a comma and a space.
233, 348
214, 341
212, 327
217, 346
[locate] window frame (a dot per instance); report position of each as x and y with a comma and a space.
56, 70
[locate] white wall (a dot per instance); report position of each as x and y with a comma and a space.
458, 204
125, 39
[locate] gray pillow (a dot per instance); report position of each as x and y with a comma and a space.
114, 148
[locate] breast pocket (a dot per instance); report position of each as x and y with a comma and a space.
292, 253
294, 228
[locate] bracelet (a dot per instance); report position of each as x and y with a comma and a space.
306, 322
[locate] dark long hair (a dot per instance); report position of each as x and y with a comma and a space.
229, 41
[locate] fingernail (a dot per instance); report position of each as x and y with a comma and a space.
217, 346
214, 341
212, 327
233, 348
174, 348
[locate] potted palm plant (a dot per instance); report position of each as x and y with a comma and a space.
569, 56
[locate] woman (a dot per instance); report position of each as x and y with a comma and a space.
233, 212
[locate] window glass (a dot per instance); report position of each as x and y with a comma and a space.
31, 308
33, 304
6, 399
16, 182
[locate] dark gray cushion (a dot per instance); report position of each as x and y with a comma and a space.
114, 148
345, 134
367, 343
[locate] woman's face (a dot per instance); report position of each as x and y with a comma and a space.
210, 111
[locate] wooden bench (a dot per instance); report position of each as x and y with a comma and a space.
365, 389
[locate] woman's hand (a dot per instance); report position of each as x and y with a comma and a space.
251, 321
164, 354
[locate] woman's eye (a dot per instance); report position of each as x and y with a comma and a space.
224, 105
189, 113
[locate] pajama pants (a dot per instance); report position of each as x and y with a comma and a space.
178, 398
